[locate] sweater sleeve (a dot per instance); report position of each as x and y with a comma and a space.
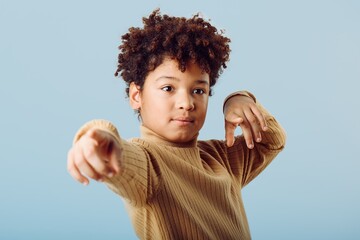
138, 179
247, 163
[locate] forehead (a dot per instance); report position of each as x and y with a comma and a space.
169, 68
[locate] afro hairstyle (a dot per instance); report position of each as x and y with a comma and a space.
179, 38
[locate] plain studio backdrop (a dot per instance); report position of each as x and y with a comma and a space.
300, 58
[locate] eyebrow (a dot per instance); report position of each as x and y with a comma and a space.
201, 81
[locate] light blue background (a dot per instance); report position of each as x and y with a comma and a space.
300, 58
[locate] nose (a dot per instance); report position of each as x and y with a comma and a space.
185, 101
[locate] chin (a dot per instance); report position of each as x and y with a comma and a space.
184, 139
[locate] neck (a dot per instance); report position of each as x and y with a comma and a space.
149, 135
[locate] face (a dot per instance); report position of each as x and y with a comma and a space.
172, 103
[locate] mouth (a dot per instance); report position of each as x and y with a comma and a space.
183, 121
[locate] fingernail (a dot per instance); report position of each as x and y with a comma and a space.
100, 179
85, 183
251, 145
258, 139
110, 174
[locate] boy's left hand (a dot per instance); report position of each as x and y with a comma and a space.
242, 111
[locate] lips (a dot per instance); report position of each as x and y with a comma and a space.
184, 120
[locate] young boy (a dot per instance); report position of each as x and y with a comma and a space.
175, 186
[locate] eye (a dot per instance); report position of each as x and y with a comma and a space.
199, 91
167, 88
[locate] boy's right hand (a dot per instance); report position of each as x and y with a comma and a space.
95, 155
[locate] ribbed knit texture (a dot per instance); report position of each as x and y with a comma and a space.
189, 191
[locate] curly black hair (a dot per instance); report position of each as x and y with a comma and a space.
182, 39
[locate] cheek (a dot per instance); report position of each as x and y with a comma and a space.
203, 111
156, 106
204, 104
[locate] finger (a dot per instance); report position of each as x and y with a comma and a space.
73, 170
101, 167
260, 118
105, 147
115, 156
81, 162
254, 125
247, 132
97, 160
232, 120
229, 133
115, 161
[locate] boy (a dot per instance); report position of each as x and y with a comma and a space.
175, 186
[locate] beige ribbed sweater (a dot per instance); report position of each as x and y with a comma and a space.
189, 191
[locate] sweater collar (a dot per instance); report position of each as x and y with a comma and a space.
149, 135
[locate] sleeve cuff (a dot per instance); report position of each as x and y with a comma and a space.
240, 93
98, 124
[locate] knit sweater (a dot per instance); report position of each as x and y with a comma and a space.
192, 190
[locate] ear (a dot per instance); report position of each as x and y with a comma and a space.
134, 95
